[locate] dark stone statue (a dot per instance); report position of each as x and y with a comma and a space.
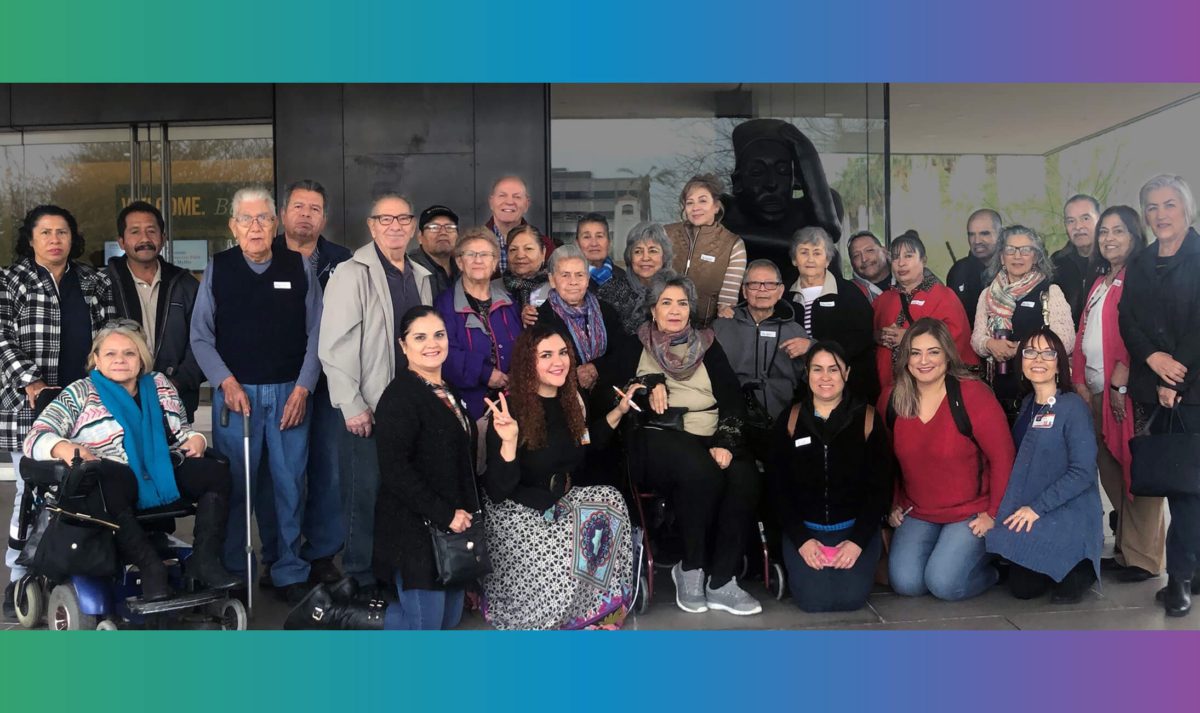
772, 159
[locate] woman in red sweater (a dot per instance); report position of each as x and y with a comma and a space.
950, 484
916, 293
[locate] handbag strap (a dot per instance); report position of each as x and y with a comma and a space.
1173, 419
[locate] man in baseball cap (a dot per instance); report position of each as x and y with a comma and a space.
439, 231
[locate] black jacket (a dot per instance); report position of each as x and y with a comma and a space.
439, 280
966, 279
1160, 312
173, 323
848, 319
830, 472
1073, 277
426, 472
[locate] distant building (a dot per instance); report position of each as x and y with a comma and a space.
624, 201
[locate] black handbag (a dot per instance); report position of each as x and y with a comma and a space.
70, 546
461, 557
1165, 464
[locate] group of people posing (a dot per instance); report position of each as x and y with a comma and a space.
950, 427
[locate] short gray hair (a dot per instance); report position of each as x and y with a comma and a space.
659, 284
389, 195
648, 232
812, 235
1180, 186
762, 263
570, 251
253, 193
1043, 263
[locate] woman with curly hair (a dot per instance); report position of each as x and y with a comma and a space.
562, 557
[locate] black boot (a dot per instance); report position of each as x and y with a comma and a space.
1177, 596
318, 610
208, 539
345, 591
137, 549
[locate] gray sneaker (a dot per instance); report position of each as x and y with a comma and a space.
689, 589
733, 599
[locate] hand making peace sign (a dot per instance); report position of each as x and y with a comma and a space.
506, 427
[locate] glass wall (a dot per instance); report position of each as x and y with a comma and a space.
96, 172
626, 150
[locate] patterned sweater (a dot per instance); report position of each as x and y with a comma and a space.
78, 416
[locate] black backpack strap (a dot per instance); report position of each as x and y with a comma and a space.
963, 422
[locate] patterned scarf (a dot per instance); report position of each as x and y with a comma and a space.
679, 367
603, 273
1002, 298
521, 287
585, 324
904, 317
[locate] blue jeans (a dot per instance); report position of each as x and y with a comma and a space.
424, 609
947, 561
286, 455
828, 589
360, 484
322, 526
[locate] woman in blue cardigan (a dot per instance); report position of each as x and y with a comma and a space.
1049, 523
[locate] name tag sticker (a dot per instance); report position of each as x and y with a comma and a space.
803, 441
1116, 283
707, 258
828, 304
1027, 303
918, 303
586, 439
962, 288
1043, 421
766, 333
283, 285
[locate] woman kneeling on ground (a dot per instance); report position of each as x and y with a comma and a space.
829, 474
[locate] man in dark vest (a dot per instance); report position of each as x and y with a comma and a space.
303, 217
254, 333
159, 296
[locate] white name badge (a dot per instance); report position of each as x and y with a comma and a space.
803, 441
765, 333
962, 288
918, 303
1043, 421
1027, 303
707, 258
1116, 283
283, 285
827, 304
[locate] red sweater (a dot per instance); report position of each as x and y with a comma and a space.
937, 463
939, 302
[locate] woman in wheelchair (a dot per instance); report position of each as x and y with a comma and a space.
133, 422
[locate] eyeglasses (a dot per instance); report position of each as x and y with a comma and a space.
1023, 251
439, 227
482, 255
261, 218
763, 286
1044, 354
405, 219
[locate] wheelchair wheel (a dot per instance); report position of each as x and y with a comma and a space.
779, 584
231, 614
32, 606
63, 612
106, 625
642, 604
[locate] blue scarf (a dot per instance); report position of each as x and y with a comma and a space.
603, 273
145, 441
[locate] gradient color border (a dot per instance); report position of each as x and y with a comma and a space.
613, 41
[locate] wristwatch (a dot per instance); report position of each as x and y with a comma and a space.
1122, 390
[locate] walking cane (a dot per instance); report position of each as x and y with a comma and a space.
249, 546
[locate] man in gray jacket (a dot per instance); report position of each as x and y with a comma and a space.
359, 350
764, 343
157, 295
